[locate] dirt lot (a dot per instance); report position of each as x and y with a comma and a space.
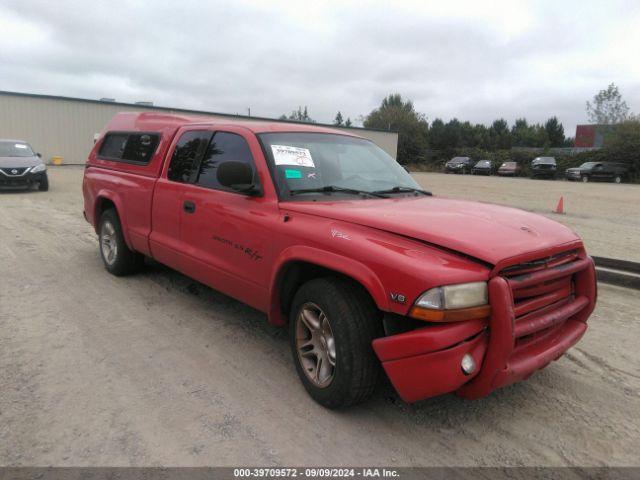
158, 370
605, 215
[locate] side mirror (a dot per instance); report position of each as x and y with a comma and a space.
38, 155
238, 176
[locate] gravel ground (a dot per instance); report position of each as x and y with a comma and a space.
605, 215
155, 369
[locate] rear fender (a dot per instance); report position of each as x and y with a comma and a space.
110, 195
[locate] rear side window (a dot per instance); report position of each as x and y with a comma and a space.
187, 155
223, 147
129, 147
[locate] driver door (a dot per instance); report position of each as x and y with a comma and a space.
227, 235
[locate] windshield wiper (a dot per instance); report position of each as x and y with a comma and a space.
334, 188
403, 190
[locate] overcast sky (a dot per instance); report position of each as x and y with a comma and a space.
472, 60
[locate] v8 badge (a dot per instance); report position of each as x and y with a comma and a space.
398, 298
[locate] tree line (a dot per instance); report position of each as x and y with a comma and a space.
421, 142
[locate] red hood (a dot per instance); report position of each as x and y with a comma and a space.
487, 232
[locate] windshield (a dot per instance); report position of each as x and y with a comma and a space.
314, 161
544, 160
483, 163
588, 165
509, 164
459, 160
15, 149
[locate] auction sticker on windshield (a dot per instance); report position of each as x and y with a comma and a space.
285, 155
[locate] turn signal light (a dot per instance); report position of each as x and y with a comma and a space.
455, 315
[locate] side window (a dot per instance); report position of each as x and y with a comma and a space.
140, 147
223, 147
186, 157
113, 145
129, 147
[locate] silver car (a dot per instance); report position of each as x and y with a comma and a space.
20, 167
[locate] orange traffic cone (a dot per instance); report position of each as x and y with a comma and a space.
560, 206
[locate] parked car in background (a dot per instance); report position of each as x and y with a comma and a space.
602, 171
509, 169
458, 165
21, 167
544, 167
483, 167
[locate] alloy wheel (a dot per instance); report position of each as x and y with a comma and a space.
108, 242
315, 345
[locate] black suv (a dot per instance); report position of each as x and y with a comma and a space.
543, 167
458, 165
603, 171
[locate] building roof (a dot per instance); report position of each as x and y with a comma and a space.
184, 110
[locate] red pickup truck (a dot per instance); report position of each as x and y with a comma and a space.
323, 231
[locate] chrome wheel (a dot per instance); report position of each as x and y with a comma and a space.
108, 242
315, 345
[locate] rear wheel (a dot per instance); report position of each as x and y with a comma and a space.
617, 179
331, 327
585, 179
118, 259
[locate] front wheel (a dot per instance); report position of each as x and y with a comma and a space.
43, 185
585, 179
617, 179
331, 327
118, 259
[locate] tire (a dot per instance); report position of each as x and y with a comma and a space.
617, 179
353, 322
118, 259
585, 179
43, 186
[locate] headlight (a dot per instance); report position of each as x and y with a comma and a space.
39, 168
452, 303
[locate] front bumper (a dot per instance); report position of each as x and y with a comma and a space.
21, 181
426, 362
543, 172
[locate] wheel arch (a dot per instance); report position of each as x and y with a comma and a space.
105, 201
297, 265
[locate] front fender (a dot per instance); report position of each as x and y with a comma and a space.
339, 263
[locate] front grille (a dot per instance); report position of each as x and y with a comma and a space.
544, 294
13, 172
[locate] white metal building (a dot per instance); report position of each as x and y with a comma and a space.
65, 127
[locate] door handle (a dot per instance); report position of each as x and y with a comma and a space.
188, 206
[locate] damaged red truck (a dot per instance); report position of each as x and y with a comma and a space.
326, 233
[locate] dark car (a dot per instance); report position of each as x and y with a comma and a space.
509, 169
602, 171
21, 167
544, 167
483, 167
458, 165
